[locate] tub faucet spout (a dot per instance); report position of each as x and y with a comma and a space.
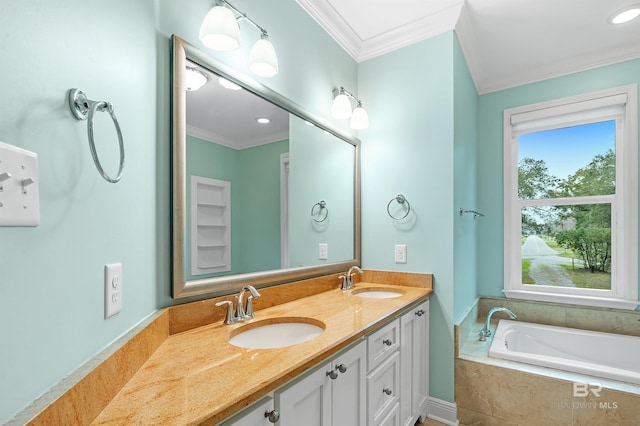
486, 332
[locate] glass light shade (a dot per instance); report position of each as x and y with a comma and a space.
359, 118
341, 106
220, 30
195, 79
262, 59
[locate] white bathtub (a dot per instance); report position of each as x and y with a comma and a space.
604, 355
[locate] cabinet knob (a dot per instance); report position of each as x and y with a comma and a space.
420, 312
342, 368
332, 374
387, 391
273, 415
387, 342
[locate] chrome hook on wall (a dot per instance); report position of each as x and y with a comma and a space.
84, 109
322, 205
400, 199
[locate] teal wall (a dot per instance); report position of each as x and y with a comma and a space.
409, 149
254, 174
465, 148
321, 169
490, 138
51, 276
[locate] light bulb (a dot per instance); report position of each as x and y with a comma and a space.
262, 59
220, 30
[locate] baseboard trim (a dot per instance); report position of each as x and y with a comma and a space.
443, 411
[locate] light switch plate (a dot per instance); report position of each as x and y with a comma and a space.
112, 289
323, 251
401, 253
19, 187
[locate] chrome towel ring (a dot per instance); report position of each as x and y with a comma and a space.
400, 199
83, 109
321, 206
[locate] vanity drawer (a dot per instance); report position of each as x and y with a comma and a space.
391, 419
383, 388
383, 343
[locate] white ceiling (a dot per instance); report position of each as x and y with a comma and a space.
507, 43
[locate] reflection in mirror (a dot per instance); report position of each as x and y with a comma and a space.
244, 192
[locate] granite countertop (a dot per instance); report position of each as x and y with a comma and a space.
197, 377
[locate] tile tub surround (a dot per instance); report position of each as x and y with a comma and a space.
80, 398
609, 320
492, 391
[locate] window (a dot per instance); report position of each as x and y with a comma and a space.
571, 200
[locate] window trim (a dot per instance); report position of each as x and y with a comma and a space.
624, 214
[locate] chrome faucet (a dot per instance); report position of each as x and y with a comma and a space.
347, 279
242, 312
486, 332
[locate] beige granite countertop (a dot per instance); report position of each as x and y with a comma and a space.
197, 377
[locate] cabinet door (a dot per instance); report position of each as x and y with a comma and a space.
414, 365
348, 390
383, 389
307, 402
252, 416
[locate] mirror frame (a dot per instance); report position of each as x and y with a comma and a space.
181, 288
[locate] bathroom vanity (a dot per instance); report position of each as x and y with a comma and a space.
370, 361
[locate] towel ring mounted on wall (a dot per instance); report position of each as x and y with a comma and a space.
400, 199
321, 206
84, 109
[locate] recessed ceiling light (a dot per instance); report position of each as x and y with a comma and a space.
228, 84
195, 79
625, 15
263, 120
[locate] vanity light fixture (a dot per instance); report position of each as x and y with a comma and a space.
341, 108
220, 31
626, 14
195, 79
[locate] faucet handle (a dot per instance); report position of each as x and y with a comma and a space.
240, 313
249, 311
230, 318
345, 281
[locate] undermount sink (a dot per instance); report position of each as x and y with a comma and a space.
276, 332
377, 293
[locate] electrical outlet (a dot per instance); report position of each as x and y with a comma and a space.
401, 253
112, 289
323, 251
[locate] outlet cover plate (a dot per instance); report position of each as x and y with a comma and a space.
112, 289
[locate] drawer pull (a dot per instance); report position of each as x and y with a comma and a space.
420, 312
332, 374
273, 415
387, 391
387, 342
342, 368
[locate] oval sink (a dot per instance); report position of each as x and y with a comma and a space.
377, 293
276, 333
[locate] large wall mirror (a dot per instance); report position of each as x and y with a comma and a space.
255, 202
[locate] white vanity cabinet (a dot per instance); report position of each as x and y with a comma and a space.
253, 416
414, 364
380, 381
383, 377
332, 395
